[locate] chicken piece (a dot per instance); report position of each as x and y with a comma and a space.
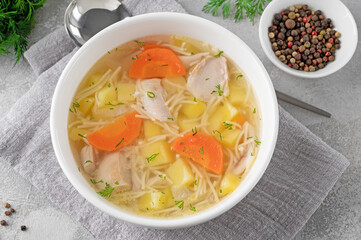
207, 76
153, 99
245, 161
87, 157
114, 169
189, 61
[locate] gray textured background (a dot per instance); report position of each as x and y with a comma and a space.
339, 217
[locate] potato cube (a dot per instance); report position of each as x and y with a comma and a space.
193, 110
179, 80
151, 129
157, 153
237, 92
126, 92
180, 173
229, 183
186, 124
106, 95
86, 104
230, 137
224, 113
74, 134
156, 200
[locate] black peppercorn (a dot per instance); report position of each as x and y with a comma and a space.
23, 228
3, 222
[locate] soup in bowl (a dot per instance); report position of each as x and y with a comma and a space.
164, 129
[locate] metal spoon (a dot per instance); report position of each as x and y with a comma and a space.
85, 18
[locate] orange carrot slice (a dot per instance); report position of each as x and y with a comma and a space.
156, 63
202, 149
240, 119
116, 135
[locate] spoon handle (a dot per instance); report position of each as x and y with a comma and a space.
288, 99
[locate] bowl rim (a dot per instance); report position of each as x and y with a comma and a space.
159, 223
266, 46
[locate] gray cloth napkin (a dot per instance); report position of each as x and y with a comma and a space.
302, 171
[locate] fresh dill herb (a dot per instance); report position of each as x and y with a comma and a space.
162, 192
192, 208
147, 209
184, 149
71, 110
152, 157
163, 65
111, 108
195, 99
87, 161
116, 89
239, 76
249, 138
207, 79
195, 182
254, 110
107, 191
160, 175
180, 143
79, 169
257, 142
135, 58
109, 85
93, 181
150, 94
171, 119
16, 23
148, 59
114, 105
80, 135
194, 131
119, 142
228, 126
201, 150
192, 53
75, 105
116, 183
108, 52
140, 44
250, 7
220, 134
219, 54
220, 190
251, 154
180, 204
219, 90
116, 49
125, 123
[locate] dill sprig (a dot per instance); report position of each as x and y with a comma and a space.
250, 7
16, 22
107, 191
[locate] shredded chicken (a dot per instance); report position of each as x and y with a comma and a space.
87, 156
208, 78
245, 161
153, 99
189, 61
114, 169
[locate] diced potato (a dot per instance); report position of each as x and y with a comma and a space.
230, 137
229, 183
156, 200
106, 95
162, 147
126, 92
186, 124
74, 134
193, 110
180, 173
151, 129
179, 80
86, 104
222, 114
237, 92
93, 79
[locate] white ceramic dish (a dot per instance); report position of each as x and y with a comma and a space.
333, 9
151, 24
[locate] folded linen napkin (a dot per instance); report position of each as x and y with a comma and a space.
301, 173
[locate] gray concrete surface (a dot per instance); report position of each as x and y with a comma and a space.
339, 217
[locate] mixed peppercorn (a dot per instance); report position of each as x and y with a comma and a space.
303, 39
8, 213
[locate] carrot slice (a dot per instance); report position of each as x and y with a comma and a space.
240, 119
116, 135
202, 149
156, 63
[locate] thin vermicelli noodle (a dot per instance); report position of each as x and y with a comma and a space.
148, 176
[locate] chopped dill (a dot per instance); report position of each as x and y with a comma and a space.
194, 131
140, 44
180, 204
219, 54
80, 135
107, 191
192, 208
152, 157
151, 94
119, 142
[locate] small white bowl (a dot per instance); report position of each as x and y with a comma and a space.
341, 18
153, 24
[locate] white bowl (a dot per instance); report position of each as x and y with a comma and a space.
151, 24
342, 20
